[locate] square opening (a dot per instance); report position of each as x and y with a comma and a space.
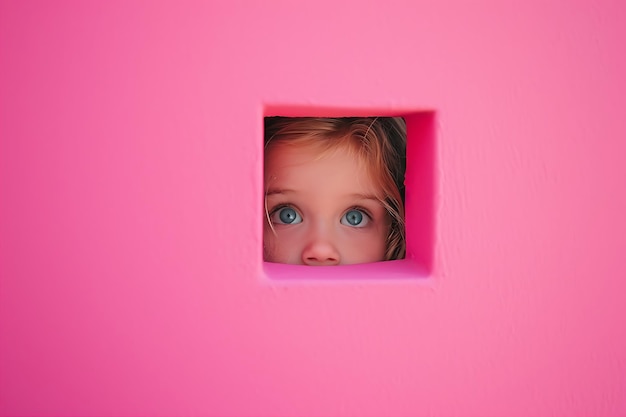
419, 201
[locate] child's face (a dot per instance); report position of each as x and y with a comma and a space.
323, 210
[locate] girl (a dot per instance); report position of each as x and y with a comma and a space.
334, 190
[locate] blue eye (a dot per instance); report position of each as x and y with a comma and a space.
355, 218
286, 215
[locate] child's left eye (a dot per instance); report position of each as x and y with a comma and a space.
355, 218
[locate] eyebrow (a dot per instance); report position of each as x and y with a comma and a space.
364, 196
273, 191
356, 196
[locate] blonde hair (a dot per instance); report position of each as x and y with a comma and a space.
378, 142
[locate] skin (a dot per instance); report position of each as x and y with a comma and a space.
336, 217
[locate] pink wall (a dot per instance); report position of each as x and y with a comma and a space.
131, 279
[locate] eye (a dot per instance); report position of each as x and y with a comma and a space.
286, 215
355, 218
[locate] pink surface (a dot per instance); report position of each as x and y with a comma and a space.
131, 278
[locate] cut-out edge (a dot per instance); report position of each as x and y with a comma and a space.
404, 270
421, 186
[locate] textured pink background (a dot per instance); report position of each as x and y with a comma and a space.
131, 279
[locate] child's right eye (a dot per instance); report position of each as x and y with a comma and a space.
286, 215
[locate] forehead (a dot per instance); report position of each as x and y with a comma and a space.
311, 166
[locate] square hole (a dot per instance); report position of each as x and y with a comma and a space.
420, 202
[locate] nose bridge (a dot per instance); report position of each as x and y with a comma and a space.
321, 228
321, 246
